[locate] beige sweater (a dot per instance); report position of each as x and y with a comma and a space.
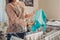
16, 22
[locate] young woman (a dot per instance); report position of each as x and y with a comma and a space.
17, 25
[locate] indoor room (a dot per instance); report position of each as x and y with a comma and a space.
29, 19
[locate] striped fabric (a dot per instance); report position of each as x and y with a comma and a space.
34, 36
54, 35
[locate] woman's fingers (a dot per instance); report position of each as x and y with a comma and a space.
30, 23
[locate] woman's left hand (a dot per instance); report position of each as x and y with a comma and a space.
30, 23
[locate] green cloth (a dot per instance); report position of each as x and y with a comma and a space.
40, 20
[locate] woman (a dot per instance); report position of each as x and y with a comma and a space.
17, 24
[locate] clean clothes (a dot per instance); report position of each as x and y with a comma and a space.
35, 25
40, 20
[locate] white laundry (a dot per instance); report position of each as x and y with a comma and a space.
55, 23
53, 36
34, 36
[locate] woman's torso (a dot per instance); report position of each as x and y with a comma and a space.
13, 27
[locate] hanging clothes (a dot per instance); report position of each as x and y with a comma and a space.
40, 20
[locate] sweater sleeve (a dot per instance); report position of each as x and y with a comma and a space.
13, 17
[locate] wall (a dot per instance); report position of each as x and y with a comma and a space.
31, 9
51, 7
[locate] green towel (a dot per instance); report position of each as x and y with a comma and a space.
40, 20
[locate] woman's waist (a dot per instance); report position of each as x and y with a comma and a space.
14, 29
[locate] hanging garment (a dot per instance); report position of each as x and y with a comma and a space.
40, 20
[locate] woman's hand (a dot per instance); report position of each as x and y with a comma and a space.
29, 15
30, 23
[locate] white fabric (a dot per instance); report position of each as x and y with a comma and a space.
34, 36
53, 23
53, 36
